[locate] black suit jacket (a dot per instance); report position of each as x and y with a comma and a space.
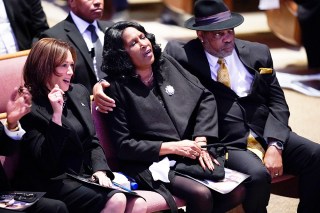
7, 147
27, 20
264, 110
67, 30
141, 122
49, 150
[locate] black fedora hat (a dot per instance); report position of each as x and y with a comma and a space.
210, 15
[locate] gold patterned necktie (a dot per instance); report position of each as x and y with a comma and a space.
223, 74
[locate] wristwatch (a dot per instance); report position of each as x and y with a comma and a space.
277, 144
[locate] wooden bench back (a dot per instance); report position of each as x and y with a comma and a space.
11, 67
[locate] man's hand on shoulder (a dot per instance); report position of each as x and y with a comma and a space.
103, 102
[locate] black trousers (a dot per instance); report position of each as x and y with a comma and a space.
300, 157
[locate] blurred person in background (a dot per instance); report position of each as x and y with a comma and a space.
21, 22
309, 20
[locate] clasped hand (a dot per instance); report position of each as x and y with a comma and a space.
193, 150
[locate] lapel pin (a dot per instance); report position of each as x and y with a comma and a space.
169, 90
82, 104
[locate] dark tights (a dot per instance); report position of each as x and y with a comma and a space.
201, 199
198, 197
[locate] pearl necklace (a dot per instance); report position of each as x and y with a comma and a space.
149, 79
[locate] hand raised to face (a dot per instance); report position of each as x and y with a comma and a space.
18, 106
57, 102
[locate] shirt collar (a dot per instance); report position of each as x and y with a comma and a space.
82, 24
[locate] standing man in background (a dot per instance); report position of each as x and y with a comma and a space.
309, 20
85, 32
21, 22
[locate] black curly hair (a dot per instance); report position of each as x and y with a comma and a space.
116, 61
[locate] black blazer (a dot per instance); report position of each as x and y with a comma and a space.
49, 150
27, 20
141, 122
7, 147
264, 110
67, 30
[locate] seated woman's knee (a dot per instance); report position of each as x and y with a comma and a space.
118, 199
202, 192
137, 205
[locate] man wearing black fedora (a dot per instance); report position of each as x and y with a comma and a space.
252, 110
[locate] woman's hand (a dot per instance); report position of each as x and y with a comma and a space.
18, 106
56, 99
206, 160
101, 178
185, 148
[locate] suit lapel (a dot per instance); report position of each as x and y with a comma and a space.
80, 104
78, 100
244, 55
103, 25
197, 58
180, 99
77, 40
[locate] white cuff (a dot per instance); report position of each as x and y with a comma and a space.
16, 135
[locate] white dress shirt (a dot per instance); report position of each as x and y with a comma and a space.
16, 135
240, 78
82, 27
8, 43
86, 34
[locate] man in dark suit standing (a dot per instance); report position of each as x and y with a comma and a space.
74, 29
252, 106
21, 21
252, 111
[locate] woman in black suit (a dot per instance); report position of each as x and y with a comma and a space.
11, 133
61, 137
162, 111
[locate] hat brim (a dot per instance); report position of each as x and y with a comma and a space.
235, 20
